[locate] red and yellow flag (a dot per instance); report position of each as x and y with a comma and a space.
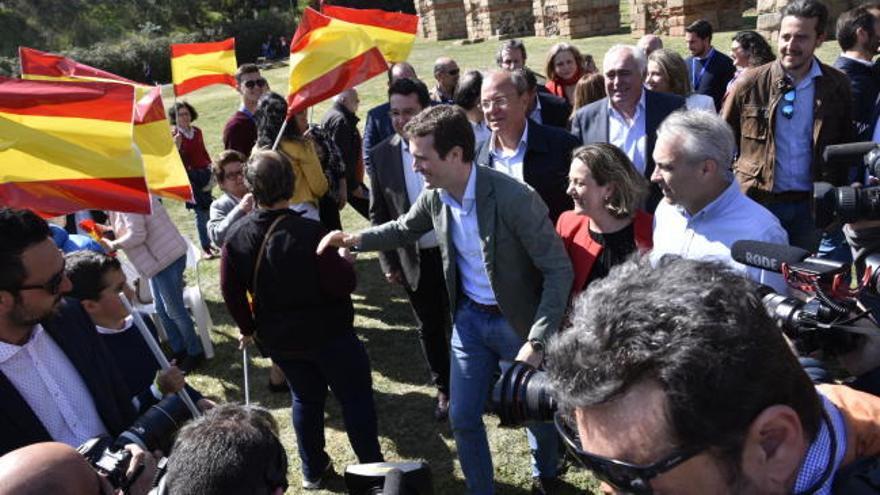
196, 65
68, 146
166, 175
393, 32
328, 56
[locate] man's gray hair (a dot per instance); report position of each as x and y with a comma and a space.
704, 136
637, 54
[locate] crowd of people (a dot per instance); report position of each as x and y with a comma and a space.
579, 220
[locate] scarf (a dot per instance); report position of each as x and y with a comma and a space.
557, 85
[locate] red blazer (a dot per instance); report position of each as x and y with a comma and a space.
583, 250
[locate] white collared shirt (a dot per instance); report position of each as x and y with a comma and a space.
415, 184
52, 387
629, 136
511, 163
465, 233
709, 234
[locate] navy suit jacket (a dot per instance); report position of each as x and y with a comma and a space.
718, 73
545, 167
377, 128
555, 111
590, 125
865, 83
75, 334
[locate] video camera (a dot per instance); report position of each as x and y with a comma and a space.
848, 204
155, 429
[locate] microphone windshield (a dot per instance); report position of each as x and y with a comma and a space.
766, 255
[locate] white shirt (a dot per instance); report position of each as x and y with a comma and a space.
629, 136
696, 101
710, 233
511, 163
415, 184
52, 387
465, 232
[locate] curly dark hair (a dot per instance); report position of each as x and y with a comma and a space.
270, 116
757, 47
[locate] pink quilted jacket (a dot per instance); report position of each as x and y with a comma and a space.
150, 242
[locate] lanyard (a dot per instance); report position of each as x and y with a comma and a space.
698, 78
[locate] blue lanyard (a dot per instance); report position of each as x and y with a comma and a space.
247, 112
698, 78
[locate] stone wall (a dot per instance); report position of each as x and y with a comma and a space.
670, 17
576, 18
441, 19
498, 19
768, 16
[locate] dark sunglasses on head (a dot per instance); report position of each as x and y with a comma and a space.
258, 82
52, 286
621, 475
788, 103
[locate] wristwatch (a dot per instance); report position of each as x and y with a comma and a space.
537, 345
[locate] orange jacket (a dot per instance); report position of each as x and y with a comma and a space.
861, 412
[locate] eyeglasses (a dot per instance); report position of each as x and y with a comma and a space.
623, 476
788, 106
501, 102
255, 82
233, 175
52, 286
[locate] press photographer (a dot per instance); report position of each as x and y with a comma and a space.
674, 378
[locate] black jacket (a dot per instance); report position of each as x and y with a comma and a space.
718, 73
555, 111
341, 125
546, 164
73, 331
865, 81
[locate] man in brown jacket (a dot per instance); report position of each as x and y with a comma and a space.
783, 115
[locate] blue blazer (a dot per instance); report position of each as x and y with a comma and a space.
75, 334
377, 128
865, 83
546, 164
590, 125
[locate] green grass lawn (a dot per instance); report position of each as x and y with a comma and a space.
404, 399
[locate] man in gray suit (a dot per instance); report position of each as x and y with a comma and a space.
500, 248
418, 266
630, 115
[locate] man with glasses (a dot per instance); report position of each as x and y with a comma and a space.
418, 267
240, 132
532, 153
446, 72
674, 379
57, 381
783, 115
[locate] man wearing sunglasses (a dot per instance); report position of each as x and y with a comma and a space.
57, 380
240, 132
783, 115
446, 72
674, 379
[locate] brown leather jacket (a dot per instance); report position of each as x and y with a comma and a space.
751, 112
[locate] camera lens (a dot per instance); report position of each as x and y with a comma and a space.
155, 429
522, 394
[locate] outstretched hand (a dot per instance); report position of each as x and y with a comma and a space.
339, 239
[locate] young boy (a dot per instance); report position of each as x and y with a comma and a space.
97, 281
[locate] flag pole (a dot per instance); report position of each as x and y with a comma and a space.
157, 353
280, 134
247, 387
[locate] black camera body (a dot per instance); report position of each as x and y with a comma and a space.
522, 394
153, 430
848, 204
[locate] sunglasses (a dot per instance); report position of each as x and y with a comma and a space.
788, 105
52, 286
621, 475
255, 82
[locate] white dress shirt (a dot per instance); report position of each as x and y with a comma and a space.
629, 136
696, 101
710, 233
415, 184
52, 387
465, 232
510, 162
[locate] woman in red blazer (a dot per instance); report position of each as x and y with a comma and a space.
606, 225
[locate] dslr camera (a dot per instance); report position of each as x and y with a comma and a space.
155, 429
848, 204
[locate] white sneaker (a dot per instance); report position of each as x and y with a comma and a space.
318, 483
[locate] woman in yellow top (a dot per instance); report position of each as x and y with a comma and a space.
311, 183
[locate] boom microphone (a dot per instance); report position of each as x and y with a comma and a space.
766, 255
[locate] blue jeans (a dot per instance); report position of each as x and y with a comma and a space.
797, 220
342, 364
202, 227
479, 341
167, 288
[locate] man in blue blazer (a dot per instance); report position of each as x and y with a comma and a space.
57, 380
859, 39
630, 115
378, 126
506, 271
708, 69
536, 154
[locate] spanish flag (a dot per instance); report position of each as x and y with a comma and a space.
196, 65
68, 146
166, 175
393, 32
328, 56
